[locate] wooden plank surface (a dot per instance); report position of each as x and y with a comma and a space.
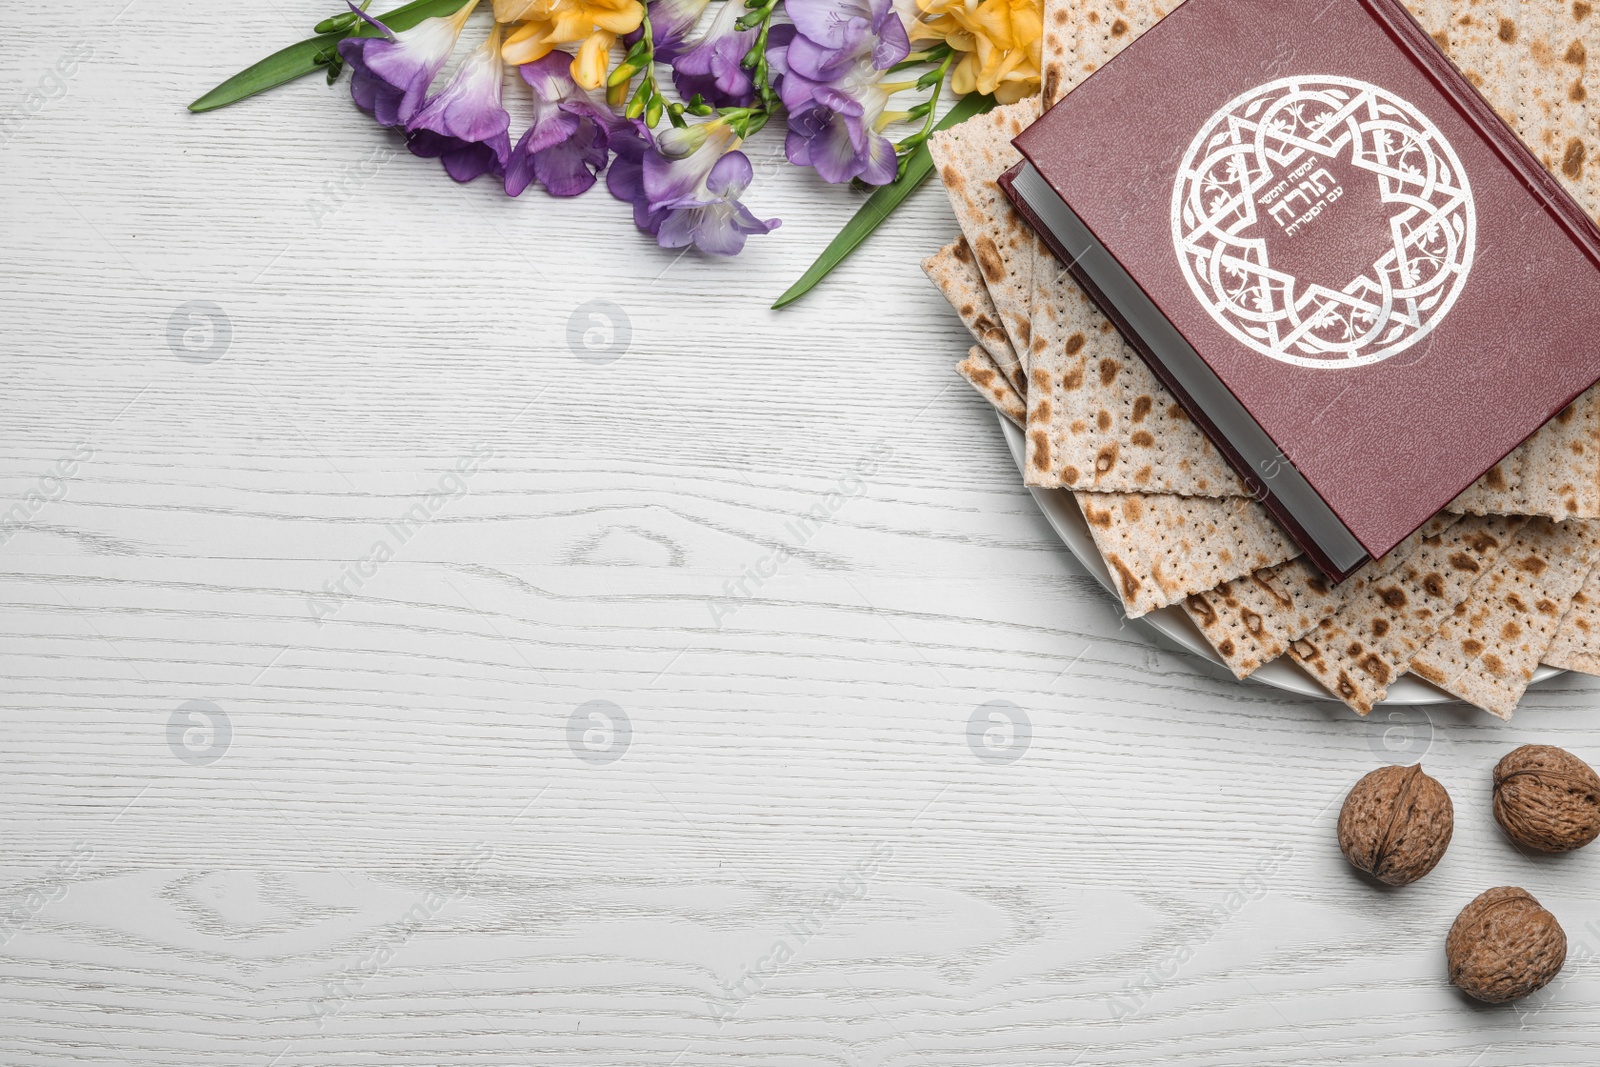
726, 702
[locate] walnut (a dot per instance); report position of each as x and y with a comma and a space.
1396, 824
1504, 945
1547, 798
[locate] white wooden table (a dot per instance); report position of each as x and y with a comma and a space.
389, 680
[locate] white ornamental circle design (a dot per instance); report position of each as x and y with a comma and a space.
1258, 168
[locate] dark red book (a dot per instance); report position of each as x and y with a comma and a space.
1322, 238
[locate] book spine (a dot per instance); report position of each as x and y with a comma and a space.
1258, 487
1426, 55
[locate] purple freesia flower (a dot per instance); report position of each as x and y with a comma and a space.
671, 22
713, 67
625, 180
390, 75
566, 146
685, 189
712, 218
842, 26
465, 127
835, 111
831, 82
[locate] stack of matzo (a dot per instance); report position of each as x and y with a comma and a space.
1505, 579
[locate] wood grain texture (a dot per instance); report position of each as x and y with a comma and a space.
790, 549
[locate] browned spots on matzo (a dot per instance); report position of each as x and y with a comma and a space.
952, 178
1471, 646
1052, 78
1572, 159
1108, 371
1141, 407
1130, 581
1546, 607
1118, 28
1532, 564
989, 260
1392, 596
1428, 672
1070, 475
1433, 584
1580, 10
1496, 478
1143, 438
1494, 663
1441, 39
1106, 458
1041, 449
1040, 412
1507, 31
1075, 344
1576, 92
1096, 517
1510, 631
1133, 509
1072, 379
1103, 420
1376, 668
1576, 54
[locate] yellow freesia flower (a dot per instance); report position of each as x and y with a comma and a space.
548, 24
999, 42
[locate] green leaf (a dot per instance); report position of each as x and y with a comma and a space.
919, 166
298, 60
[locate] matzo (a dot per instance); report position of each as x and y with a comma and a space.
1576, 646
1359, 650
954, 271
970, 157
1252, 620
1486, 651
982, 374
1160, 548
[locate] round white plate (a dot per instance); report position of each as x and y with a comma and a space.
1176, 626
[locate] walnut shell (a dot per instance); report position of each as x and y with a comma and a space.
1396, 824
1547, 798
1504, 945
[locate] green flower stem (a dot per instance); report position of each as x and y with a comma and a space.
313, 54
924, 110
916, 59
755, 60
